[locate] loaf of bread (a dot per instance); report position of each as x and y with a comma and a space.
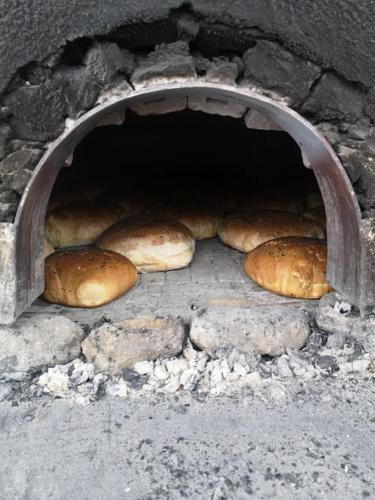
291, 266
202, 221
48, 248
87, 278
80, 223
152, 243
245, 231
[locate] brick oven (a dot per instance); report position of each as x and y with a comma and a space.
271, 68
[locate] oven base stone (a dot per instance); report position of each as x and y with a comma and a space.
263, 330
32, 343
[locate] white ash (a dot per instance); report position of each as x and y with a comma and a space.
76, 381
194, 371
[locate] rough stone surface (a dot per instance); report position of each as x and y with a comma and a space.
370, 104
166, 61
5, 135
334, 99
114, 347
16, 168
277, 440
309, 31
32, 343
278, 69
104, 60
335, 315
261, 331
80, 88
37, 111
221, 70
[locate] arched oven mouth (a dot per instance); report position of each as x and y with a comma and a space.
343, 215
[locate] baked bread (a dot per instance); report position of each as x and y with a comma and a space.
245, 231
203, 222
80, 223
152, 243
48, 248
317, 214
87, 278
292, 266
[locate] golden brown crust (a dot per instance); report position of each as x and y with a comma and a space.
87, 278
159, 228
152, 243
245, 231
202, 221
80, 223
290, 266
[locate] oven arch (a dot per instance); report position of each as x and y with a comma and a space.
343, 212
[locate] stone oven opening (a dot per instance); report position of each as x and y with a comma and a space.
219, 157
186, 159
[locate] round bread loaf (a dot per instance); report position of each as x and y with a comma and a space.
317, 214
245, 231
203, 222
152, 243
291, 266
48, 248
80, 223
87, 278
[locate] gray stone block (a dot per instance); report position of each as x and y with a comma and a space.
335, 315
5, 135
278, 69
80, 88
166, 61
370, 104
115, 347
16, 169
104, 60
35, 342
262, 330
334, 99
37, 111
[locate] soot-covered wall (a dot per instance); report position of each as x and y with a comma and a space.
59, 58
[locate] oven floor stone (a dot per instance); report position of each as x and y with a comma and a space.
314, 442
215, 278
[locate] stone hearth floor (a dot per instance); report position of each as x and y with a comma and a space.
215, 278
